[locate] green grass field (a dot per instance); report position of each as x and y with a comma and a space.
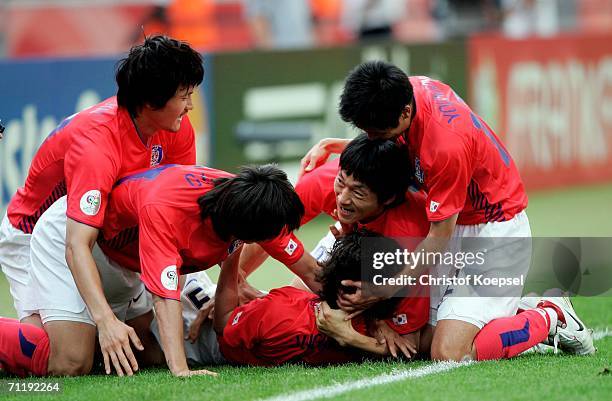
571, 212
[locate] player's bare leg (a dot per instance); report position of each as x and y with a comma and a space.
33, 320
71, 347
152, 355
452, 340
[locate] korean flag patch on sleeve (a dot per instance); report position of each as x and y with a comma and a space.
291, 247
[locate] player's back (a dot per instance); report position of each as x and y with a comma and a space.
172, 187
45, 182
279, 328
444, 131
85, 155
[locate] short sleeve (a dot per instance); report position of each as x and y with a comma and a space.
183, 146
286, 248
410, 315
448, 171
160, 260
90, 172
316, 190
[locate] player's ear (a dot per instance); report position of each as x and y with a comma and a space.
407, 111
389, 201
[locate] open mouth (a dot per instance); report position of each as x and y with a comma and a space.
345, 212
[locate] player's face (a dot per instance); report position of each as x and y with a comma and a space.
392, 133
170, 116
355, 202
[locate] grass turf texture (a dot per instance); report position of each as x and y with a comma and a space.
572, 212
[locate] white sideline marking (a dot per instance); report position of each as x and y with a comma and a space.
599, 334
336, 389
341, 388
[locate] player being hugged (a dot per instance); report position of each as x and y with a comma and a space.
145, 125
473, 189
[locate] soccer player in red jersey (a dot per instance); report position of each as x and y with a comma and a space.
359, 190
164, 223
283, 325
472, 184
144, 125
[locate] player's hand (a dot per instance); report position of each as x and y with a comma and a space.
115, 337
357, 302
333, 323
316, 156
385, 335
190, 373
206, 312
344, 228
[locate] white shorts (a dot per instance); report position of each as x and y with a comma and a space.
471, 309
198, 289
52, 291
448, 304
15, 262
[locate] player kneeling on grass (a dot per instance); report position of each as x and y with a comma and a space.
163, 223
145, 125
473, 190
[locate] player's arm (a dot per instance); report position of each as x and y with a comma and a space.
333, 323
90, 171
307, 269
227, 297
114, 335
160, 263
252, 256
320, 152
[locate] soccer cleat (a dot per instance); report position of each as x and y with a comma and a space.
571, 335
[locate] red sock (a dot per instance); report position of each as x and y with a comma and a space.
509, 336
24, 348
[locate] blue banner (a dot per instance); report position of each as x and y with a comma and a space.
35, 96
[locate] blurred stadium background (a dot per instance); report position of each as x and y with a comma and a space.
538, 71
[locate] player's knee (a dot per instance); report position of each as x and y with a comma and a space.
449, 351
70, 365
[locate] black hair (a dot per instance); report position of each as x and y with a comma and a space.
375, 94
153, 72
351, 259
381, 164
257, 204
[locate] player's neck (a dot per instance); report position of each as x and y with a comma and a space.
144, 129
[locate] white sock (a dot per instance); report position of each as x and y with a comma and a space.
553, 319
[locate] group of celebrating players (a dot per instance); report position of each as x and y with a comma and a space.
105, 245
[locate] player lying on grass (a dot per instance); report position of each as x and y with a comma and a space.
145, 125
163, 223
281, 326
472, 186
355, 185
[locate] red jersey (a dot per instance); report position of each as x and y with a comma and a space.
407, 222
84, 156
153, 225
281, 327
460, 162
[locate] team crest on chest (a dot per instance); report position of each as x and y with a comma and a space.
418, 172
157, 154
